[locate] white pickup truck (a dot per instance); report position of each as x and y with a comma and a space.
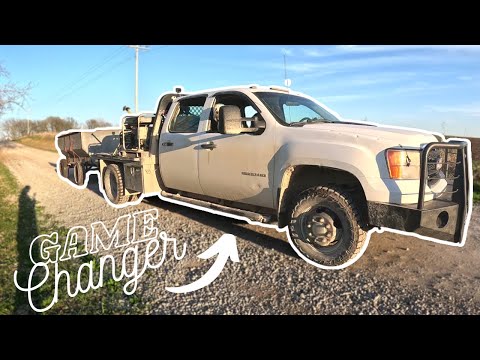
280, 157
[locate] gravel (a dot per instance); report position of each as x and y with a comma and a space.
396, 275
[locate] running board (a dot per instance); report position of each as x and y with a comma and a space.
239, 212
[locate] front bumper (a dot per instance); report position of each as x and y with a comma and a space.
444, 218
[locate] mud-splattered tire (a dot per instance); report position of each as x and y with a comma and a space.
79, 173
326, 227
114, 185
64, 168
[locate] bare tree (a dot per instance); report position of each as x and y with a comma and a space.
96, 123
56, 124
444, 128
16, 128
11, 94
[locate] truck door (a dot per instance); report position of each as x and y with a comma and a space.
178, 145
237, 167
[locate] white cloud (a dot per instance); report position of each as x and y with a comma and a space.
348, 64
324, 51
345, 82
312, 53
421, 87
379, 78
465, 78
468, 109
386, 48
342, 98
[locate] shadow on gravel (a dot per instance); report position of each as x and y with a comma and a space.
26, 231
227, 225
92, 182
93, 185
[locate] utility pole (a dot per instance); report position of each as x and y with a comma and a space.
137, 48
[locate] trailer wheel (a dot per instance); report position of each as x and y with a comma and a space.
64, 168
79, 173
114, 185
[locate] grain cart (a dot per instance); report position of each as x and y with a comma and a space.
81, 150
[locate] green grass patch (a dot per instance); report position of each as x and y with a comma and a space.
476, 181
44, 141
8, 245
21, 220
476, 192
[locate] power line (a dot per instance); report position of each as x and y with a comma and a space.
94, 67
72, 89
154, 48
116, 65
91, 69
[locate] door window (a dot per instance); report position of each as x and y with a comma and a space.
241, 101
187, 115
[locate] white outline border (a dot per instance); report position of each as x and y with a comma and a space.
284, 229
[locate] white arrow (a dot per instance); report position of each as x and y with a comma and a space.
225, 247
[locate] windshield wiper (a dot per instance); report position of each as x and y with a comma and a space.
317, 121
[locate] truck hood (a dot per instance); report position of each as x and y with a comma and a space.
380, 134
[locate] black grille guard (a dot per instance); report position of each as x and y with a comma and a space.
461, 182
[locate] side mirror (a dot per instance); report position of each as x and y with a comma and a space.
231, 122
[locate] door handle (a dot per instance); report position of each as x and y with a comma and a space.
167, 143
210, 145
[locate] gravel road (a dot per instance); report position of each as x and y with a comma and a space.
396, 275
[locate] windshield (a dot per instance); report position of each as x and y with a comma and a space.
295, 110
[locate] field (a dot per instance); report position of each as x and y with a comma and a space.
44, 141
475, 148
476, 167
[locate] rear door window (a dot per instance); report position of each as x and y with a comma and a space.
187, 115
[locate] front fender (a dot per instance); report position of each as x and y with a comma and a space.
358, 161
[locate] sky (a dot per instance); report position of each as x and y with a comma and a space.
432, 87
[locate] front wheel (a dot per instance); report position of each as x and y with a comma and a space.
114, 185
325, 226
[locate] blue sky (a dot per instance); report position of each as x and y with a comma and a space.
429, 87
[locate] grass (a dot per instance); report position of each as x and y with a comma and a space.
8, 250
45, 141
476, 193
21, 220
476, 181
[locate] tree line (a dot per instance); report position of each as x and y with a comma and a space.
17, 128
13, 95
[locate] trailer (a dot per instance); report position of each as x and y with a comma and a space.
81, 151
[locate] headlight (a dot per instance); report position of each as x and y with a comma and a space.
403, 164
